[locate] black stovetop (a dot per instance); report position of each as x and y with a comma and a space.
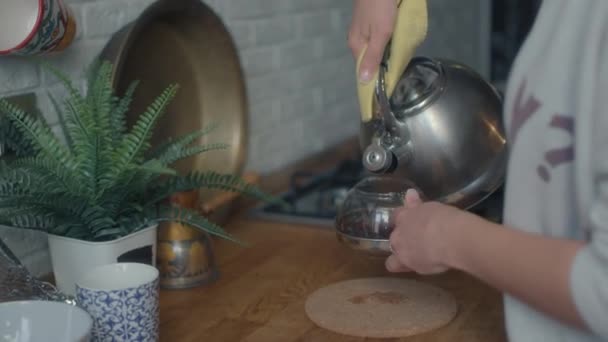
315, 196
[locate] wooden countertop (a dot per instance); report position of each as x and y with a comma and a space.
262, 288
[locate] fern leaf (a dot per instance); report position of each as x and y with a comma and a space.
114, 198
79, 131
136, 142
95, 219
100, 99
15, 182
143, 176
132, 186
55, 177
79, 220
119, 111
8, 212
109, 234
60, 204
13, 139
138, 220
69, 228
99, 92
90, 166
37, 132
191, 218
171, 155
87, 150
73, 209
180, 143
209, 180
117, 120
75, 99
79, 134
130, 209
62, 120
32, 222
155, 167
82, 122
84, 141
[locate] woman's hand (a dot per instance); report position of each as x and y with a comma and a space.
419, 241
373, 23
431, 237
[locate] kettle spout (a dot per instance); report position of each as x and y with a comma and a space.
378, 159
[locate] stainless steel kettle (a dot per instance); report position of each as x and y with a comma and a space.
437, 123
441, 129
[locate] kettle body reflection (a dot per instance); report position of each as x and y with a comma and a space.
441, 129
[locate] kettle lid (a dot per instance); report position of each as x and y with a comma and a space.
421, 82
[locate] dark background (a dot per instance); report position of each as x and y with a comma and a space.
511, 22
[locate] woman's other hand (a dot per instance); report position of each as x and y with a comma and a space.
418, 241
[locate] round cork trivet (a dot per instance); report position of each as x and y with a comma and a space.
381, 307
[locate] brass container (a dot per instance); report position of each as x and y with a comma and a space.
185, 255
186, 42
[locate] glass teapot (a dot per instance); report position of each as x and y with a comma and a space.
366, 218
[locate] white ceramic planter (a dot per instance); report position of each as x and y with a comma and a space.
71, 258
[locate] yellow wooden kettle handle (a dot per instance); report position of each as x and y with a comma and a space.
410, 31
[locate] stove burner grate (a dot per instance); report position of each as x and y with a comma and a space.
315, 197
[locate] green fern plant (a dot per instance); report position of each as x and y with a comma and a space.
106, 182
12, 140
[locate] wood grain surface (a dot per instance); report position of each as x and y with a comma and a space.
262, 288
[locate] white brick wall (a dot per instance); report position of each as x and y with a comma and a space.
299, 73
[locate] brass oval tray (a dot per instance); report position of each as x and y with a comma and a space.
185, 42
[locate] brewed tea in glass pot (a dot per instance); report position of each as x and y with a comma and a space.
366, 218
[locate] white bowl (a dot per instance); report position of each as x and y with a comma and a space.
43, 321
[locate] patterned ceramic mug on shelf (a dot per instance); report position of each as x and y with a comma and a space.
35, 27
122, 298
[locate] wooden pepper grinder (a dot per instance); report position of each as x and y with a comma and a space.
185, 256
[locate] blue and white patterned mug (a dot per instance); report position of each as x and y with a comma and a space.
123, 300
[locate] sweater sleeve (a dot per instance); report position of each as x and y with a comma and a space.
589, 276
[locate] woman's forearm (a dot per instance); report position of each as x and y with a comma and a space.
532, 268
